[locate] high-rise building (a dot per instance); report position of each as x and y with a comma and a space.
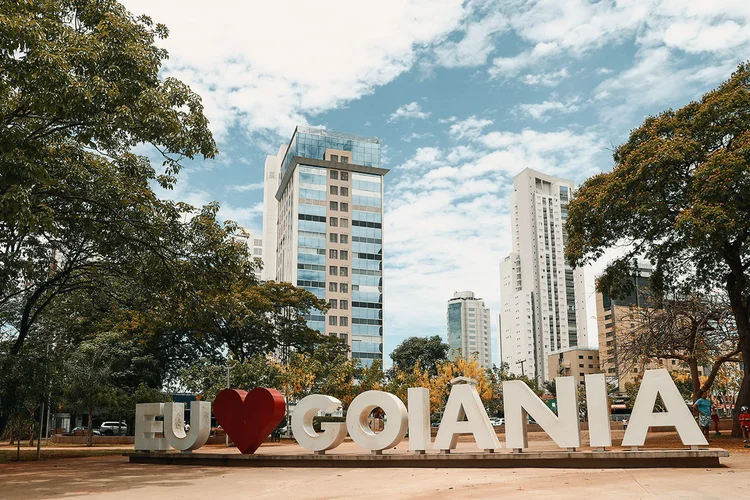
543, 303
271, 212
329, 231
469, 328
254, 246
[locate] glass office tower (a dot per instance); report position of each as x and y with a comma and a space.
329, 202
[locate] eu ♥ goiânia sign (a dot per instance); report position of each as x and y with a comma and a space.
249, 417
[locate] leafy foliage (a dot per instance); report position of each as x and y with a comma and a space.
79, 90
426, 352
679, 194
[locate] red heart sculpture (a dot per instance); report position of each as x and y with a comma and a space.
248, 418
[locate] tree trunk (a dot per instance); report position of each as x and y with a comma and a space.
694, 378
743, 398
741, 311
90, 441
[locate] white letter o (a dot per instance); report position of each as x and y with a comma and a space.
358, 425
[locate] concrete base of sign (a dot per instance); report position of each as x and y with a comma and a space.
675, 458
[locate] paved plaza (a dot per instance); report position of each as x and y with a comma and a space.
112, 477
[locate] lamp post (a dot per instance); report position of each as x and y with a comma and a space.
226, 436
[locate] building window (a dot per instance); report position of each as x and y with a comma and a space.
591, 357
344, 254
344, 191
334, 174
334, 157
344, 159
333, 287
334, 205
344, 222
344, 321
333, 270
344, 238
332, 320
343, 271
635, 370
344, 304
333, 238
580, 357
334, 190
333, 303
580, 366
344, 207
333, 254
344, 287
344, 336
345, 176
591, 366
334, 221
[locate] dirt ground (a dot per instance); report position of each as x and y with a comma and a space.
112, 477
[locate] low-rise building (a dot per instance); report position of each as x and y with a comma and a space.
574, 362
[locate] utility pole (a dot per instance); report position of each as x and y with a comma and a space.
41, 426
523, 373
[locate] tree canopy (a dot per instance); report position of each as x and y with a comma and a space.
678, 195
426, 352
79, 91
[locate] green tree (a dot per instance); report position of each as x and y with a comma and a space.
80, 89
428, 352
88, 381
679, 195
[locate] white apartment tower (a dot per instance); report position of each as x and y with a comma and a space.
543, 303
323, 227
271, 212
254, 246
469, 328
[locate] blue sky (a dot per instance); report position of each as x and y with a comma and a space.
463, 95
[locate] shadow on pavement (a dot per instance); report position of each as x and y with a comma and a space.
81, 476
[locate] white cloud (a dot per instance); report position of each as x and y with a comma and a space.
540, 111
475, 46
447, 222
511, 66
657, 78
550, 79
424, 157
415, 136
265, 67
470, 127
246, 187
407, 111
696, 37
555, 29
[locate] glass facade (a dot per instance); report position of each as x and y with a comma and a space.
367, 267
339, 250
454, 329
312, 143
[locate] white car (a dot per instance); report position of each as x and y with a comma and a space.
497, 421
114, 429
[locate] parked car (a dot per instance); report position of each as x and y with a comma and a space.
113, 428
84, 431
497, 421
